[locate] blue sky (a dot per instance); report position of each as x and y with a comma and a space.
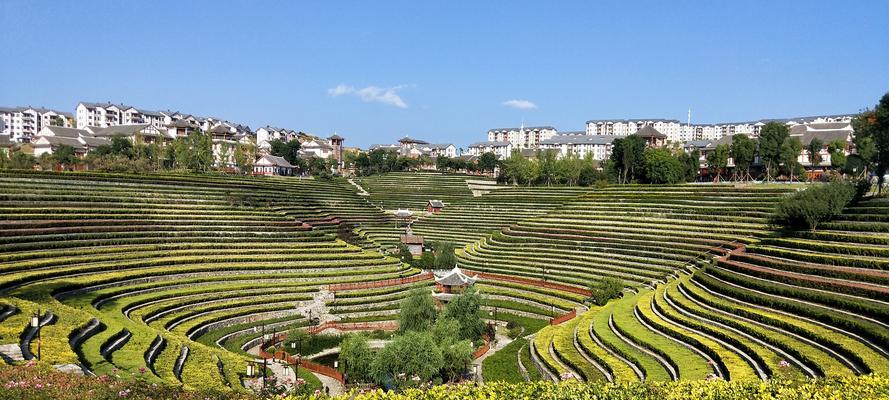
447, 71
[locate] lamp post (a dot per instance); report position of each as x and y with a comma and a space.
35, 323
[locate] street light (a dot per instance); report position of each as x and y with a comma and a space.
251, 369
35, 323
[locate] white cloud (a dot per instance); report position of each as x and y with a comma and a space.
520, 104
371, 94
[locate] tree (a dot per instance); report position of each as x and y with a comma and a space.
691, 165
121, 145
605, 289
288, 150
872, 138
627, 156
814, 149
442, 163
569, 168
64, 155
245, 156
417, 311
21, 160
837, 151
405, 254
529, 170
789, 154
445, 259
487, 162
300, 337
464, 309
717, 160
661, 167
771, 138
512, 167
546, 161
743, 152
356, 357
413, 354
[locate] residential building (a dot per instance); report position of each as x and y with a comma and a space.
410, 147
104, 115
268, 164
522, 137
50, 137
580, 144
268, 133
138, 133
826, 132
316, 148
502, 149
439, 150
23, 123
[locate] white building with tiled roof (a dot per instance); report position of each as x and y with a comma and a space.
22, 123
50, 137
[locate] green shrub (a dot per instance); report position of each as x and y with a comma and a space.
808, 208
605, 289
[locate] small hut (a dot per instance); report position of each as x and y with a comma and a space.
434, 206
414, 243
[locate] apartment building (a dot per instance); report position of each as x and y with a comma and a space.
523, 137
624, 127
580, 144
23, 123
104, 115
266, 134
502, 149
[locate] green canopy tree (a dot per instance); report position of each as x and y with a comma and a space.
872, 138
417, 311
788, 156
717, 161
487, 162
288, 150
464, 309
743, 153
356, 357
64, 155
408, 355
814, 150
628, 158
771, 138
662, 167
837, 151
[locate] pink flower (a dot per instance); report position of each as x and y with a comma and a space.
783, 364
142, 370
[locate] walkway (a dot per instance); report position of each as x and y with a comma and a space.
502, 341
284, 373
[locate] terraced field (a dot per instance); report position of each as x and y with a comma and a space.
158, 276
466, 221
746, 303
411, 190
169, 278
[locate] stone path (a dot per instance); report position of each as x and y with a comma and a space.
283, 373
11, 352
502, 341
361, 191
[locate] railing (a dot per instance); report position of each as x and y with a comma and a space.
308, 365
382, 283
564, 317
529, 281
